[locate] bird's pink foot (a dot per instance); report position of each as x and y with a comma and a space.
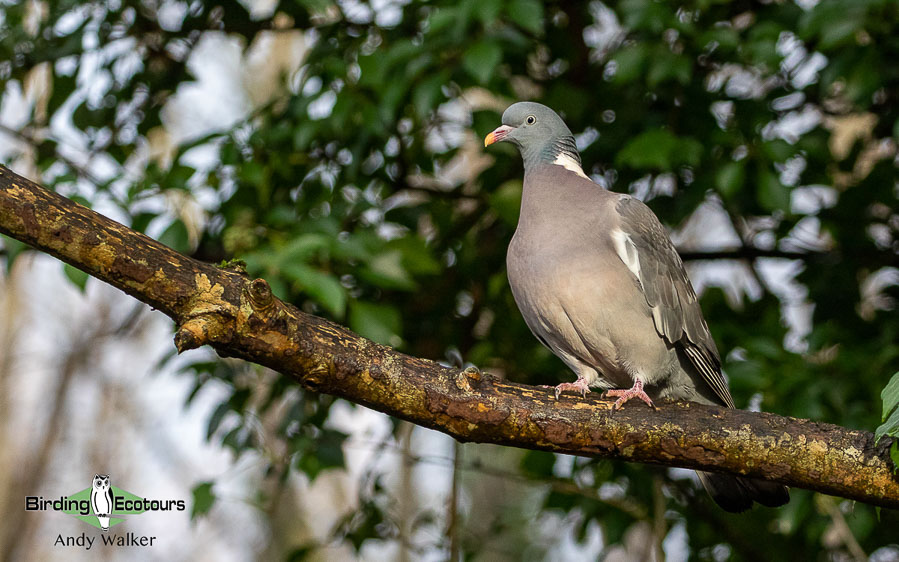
635, 391
580, 385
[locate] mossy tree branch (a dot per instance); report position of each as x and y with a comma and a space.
240, 317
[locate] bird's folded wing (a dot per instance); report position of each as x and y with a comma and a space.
644, 247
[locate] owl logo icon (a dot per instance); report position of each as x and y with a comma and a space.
101, 500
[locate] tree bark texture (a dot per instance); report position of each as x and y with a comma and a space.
240, 317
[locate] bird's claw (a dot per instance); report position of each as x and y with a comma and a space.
635, 391
579, 386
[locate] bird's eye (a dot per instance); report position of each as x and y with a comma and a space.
530, 120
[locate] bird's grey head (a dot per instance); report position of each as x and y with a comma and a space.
539, 133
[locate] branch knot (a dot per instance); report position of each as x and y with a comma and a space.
260, 296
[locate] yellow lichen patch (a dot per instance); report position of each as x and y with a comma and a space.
196, 327
103, 256
274, 340
818, 448
204, 286
207, 298
585, 406
854, 454
192, 334
17, 191
246, 309
366, 377
157, 278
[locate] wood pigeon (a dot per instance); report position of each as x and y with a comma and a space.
600, 284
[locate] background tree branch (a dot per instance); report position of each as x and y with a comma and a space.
240, 317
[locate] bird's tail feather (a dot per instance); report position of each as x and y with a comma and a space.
736, 494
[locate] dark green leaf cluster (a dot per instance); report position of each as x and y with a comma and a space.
890, 425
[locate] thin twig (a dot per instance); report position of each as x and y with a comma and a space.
845, 533
453, 526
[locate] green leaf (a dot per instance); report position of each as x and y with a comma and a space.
660, 150
772, 195
416, 257
323, 451
394, 266
63, 87
481, 60
301, 553
178, 176
528, 14
321, 286
538, 464
216, 419
778, 150
890, 416
889, 428
765, 346
176, 237
669, 66
630, 63
204, 498
316, 6
13, 248
76, 276
894, 455
487, 10
506, 201
890, 396
439, 19
644, 15
761, 44
238, 400
387, 270
722, 37
84, 116
302, 247
141, 221
329, 448
377, 322
254, 173
651, 149
427, 92
399, 53
763, 52
839, 30
304, 134
729, 179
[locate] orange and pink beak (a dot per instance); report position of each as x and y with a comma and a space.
498, 134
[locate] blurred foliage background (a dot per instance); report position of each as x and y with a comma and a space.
348, 171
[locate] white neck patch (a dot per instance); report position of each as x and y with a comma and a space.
569, 163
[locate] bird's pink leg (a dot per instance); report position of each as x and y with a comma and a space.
635, 391
580, 385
